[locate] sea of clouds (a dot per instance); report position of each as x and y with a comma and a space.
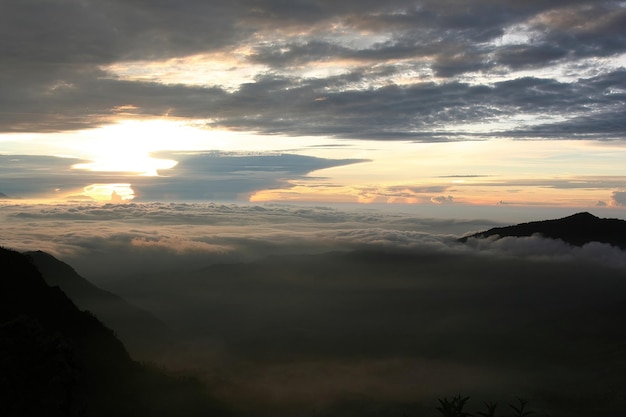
322, 311
101, 240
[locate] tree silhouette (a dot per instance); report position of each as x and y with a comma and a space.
453, 407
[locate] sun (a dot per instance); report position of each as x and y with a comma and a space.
127, 147
135, 163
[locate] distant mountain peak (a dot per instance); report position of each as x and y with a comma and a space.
584, 214
577, 230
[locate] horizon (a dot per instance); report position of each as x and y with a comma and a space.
103, 240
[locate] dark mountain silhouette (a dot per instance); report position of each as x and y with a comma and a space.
142, 333
3, 195
58, 361
577, 229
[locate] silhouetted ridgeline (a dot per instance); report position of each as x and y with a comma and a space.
142, 333
577, 230
58, 361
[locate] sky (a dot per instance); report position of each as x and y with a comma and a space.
478, 103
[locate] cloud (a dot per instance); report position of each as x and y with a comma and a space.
538, 248
385, 71
224, 176
218, 176
284, 307
34, 176
177, 245
521, 56
578, 182
396, 326
414, 111
618, 198
104, 240
403, 194
442, 199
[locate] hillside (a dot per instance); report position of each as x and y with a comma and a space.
142, 333
577, 230
58, 361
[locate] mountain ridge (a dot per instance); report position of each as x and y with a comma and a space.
53, 355
58, 361
143, 334
577, 229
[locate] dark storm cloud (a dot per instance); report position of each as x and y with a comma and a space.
456, 36
520, 56
298, 54
592, 29
606, 124
86, 32
70, 98
595, 105
391, 110
461, 38
50, 78
53, 76
416, 110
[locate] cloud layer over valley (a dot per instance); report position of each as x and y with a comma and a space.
125, 236
283, 308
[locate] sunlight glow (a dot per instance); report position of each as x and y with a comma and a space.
486, 172
131, 163
495, 172
114, 193
127, 145
227, 70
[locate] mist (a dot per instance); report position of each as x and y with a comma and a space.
394, 327
283, 310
